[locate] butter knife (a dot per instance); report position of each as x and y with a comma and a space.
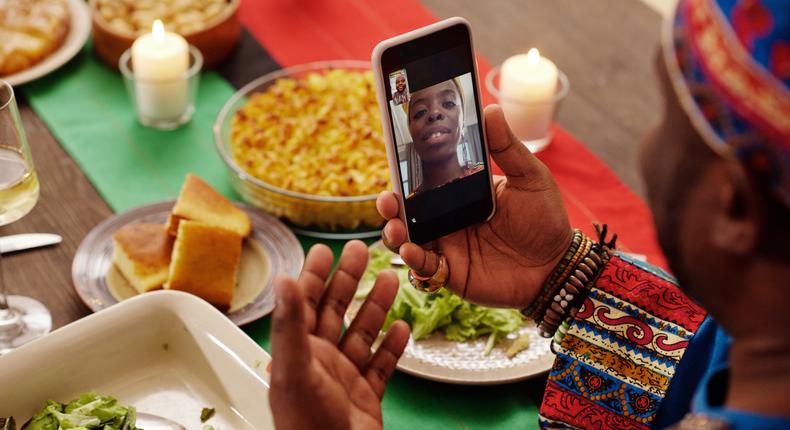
20, 242
7, 423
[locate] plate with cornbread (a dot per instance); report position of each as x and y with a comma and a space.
224, 252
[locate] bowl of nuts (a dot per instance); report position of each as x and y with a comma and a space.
210, 25
305, 144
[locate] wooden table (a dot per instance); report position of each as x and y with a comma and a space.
605, 47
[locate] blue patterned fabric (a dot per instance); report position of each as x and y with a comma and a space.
690, 372
729, 61
619, 353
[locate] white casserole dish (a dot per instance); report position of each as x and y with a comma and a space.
167, 353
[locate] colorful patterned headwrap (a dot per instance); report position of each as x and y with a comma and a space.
729, 61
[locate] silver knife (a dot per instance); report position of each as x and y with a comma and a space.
19, 242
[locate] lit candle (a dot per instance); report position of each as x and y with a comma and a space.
528, 83
160, 61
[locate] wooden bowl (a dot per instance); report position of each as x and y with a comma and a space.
216, 41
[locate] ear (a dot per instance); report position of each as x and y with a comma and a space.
736, 223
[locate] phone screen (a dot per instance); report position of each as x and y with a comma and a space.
434, 109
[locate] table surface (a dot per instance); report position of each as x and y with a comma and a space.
605, 47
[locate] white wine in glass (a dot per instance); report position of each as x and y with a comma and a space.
18, 185
22, 319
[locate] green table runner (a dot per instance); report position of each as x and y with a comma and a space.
86, 107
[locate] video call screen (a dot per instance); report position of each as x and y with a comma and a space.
433, 108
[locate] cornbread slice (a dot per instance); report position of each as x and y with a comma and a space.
142, 254
199, 202
205, 262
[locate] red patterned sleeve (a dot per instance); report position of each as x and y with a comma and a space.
614, 364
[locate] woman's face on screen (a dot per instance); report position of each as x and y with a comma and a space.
435, 121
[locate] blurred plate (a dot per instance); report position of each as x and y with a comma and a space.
271, 248
79, 30
438, 359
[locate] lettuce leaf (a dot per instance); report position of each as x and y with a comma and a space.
426, 313
379, 260
89, 411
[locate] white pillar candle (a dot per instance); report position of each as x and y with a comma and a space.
527, 84
160, 61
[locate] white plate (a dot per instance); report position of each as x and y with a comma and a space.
168, 353
465, 363
79, 30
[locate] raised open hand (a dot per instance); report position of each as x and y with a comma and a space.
504, 261
318, 379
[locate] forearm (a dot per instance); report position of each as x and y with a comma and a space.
617, 354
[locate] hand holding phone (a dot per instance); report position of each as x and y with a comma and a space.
505, 260
428, 93
433, 127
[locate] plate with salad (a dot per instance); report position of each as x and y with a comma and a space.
455, 341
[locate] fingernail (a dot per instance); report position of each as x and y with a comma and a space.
279, 291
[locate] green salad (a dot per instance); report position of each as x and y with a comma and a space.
458, 319
89, 411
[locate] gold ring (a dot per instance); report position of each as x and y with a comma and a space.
435, 282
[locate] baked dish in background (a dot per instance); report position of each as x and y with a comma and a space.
212, 26
320, 134
30, 30
305, 144
179, 16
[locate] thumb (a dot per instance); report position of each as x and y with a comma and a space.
521, 167
290, 342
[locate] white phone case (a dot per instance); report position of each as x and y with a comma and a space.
392, 156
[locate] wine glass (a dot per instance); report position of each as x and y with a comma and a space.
22, 319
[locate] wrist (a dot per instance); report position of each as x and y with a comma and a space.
538, 275
559, 264
566, 287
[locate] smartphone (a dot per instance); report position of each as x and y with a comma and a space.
428, 90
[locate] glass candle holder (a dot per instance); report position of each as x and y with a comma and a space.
163, 104
530, 120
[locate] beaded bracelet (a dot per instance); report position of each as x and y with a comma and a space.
572, 292
568, 285
539, 301
563, 273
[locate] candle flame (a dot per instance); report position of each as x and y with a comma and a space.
158, 29
533, 56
